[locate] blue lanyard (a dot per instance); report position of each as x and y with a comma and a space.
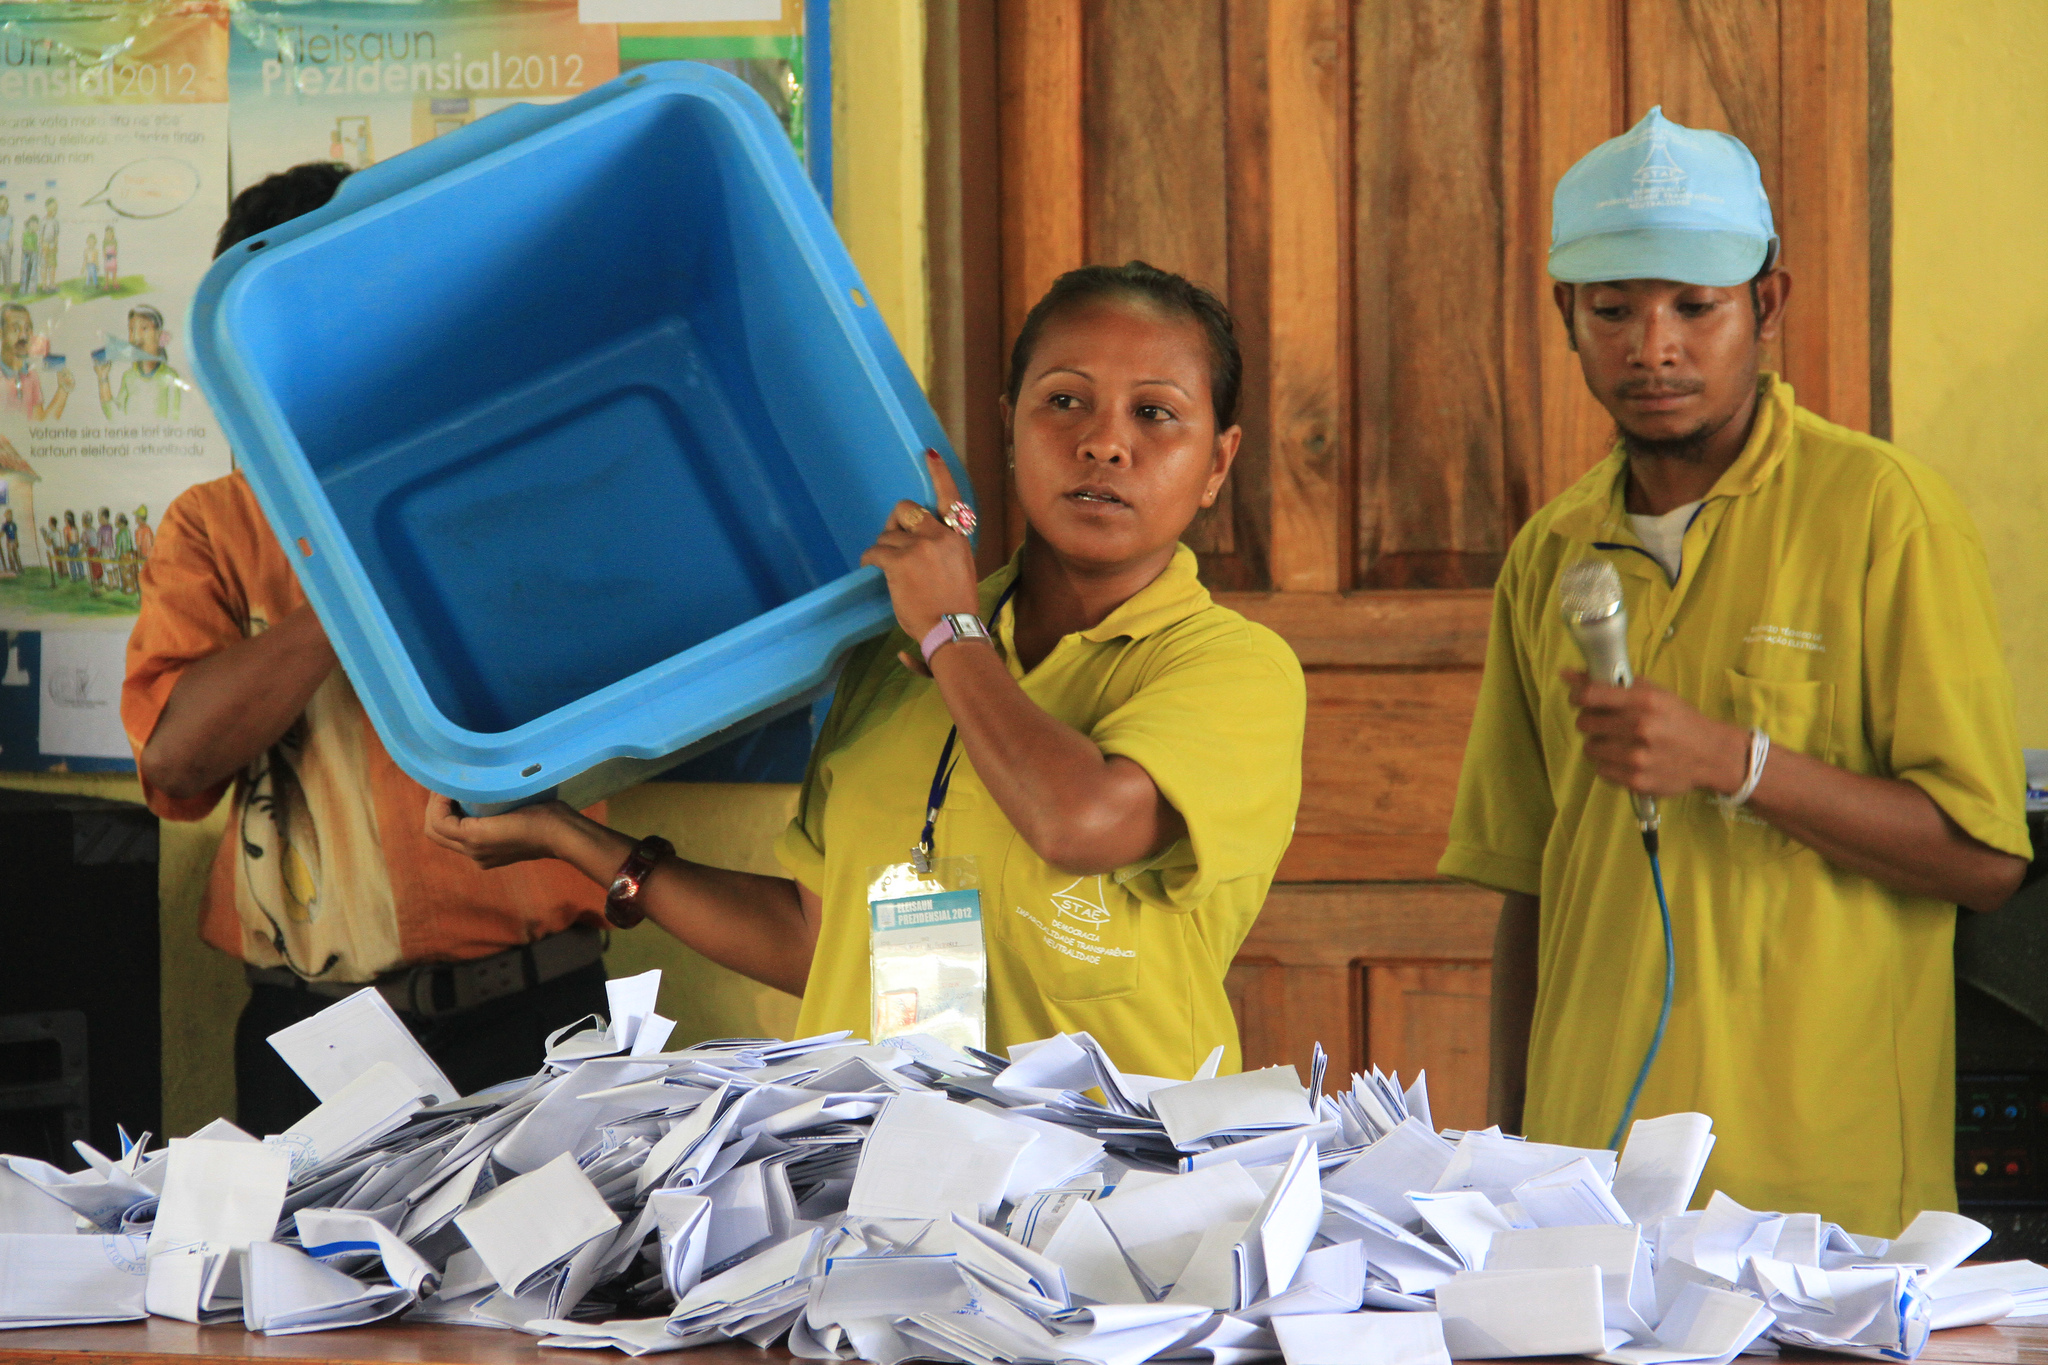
942, 777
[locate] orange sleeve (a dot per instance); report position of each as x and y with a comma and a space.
189, 610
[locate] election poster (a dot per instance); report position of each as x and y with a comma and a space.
113, 182
359, 82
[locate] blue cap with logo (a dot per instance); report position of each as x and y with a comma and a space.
1662, 202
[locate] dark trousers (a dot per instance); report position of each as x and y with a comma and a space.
494, 1042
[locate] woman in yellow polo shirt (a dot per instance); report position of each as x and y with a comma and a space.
1129, 752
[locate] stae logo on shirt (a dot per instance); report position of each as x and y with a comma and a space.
1070, 901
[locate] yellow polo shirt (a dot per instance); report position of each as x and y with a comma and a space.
1835, 593
1208, 703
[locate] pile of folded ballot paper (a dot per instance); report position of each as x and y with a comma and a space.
910, 1201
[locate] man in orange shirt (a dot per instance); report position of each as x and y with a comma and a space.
326, 882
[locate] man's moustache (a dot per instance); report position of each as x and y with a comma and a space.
1641, 388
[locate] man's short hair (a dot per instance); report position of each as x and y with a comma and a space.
278, 199
150, 311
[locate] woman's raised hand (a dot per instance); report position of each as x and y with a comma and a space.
929, 564
517, 836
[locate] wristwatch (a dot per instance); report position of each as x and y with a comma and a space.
953, 626
622, 903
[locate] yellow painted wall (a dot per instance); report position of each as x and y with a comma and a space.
878, 146
1970, 290
878, 160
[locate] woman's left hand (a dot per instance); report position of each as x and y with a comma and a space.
517, 836
929, 565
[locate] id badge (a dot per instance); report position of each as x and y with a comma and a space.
927, 963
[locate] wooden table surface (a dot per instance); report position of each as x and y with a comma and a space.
160, 1341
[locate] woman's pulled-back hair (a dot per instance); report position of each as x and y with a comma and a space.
1173, 295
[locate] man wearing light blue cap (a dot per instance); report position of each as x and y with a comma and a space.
1822, 714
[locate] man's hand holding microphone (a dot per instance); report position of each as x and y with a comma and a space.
1653, 742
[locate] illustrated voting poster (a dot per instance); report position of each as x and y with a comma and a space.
113, 183
359, 82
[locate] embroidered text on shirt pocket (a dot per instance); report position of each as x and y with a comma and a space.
1076, 937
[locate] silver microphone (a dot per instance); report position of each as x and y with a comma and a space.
1590, 594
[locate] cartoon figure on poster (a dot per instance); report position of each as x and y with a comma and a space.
150, 388
53, 551
49, 242
22, 352
6, 244
31, 251
110, 266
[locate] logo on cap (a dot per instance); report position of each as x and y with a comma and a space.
1660, 182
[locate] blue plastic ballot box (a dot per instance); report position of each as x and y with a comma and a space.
575, 423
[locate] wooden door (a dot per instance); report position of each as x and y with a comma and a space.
1368, 185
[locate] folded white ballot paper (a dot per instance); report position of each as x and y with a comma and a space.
1494, 1164
1709, 1325
1330, 1280
1160, 1225
362, 1111
1466, 1221
1496, 1314
62, 1279
218, 1198
1661, 1164
1362, 1339
1410, 1157
1237, 1263
286, 1291
1628, 1295
1406, 1262
1573, 1195
99, 1197
531, 1223
1250, 1101
1882, 1311
1937, 1240
1973, 1309
361, 1245
927, 1157
1097, 1271
2025, 1281
349, 1037
27, 1208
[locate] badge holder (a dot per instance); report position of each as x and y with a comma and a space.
927, 964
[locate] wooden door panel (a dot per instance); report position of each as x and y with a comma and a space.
1577, 99
1283, 1010
1379, 774
1392, 974
1432, 1017
1711, 64
1428, 293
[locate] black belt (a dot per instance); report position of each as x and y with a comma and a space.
433, 990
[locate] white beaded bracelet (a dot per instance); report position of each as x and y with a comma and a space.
1759, 754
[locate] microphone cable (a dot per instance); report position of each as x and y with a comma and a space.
1670, 983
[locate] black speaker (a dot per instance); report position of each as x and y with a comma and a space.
81, 1035
2002, 1064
